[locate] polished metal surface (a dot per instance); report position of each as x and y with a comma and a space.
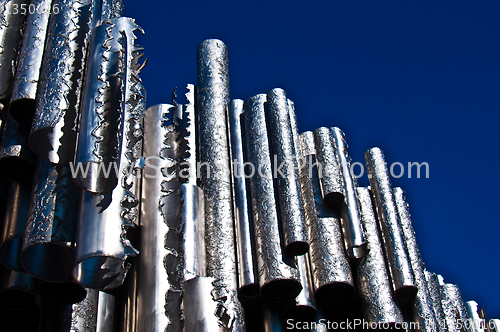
17, 161
48, 245
354, 238
198, 306
278, 277
332, 277
247, 274
11, 33
424, 314
303, 308
395, 249
17, 289
435, 293
14, 224
128, 302
212, 103
286, 173
454, 308
373, 282
29, 61
55, 122
332, 184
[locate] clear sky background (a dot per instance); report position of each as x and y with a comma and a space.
419, 79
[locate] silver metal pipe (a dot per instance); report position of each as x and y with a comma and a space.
198, 306
278, 277
212, 102
247, 276
111, 9
17, 161
396, 253
424, 313
435, 293
373, 281
48, 245
129, 300
286, 173
478, 323
332, 185
332, 277
454, 308
303, 307
11, 35
55, 122
14, 225
22, 103
17, 289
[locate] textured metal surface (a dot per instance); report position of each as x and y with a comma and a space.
332, 185
286, 173
247, 274
373, 280
17, 161
47, 250
111, 82
54, 126
454, 308
199, 307
278, 277
17, 289
395, 251
435, 293
22, 103
354, 238
11, 33
303, 307
212, 102
332, 277
424, 314
12, 231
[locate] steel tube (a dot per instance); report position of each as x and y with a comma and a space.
478, 323
373, 282
278, 277
22, 103
435, 293
198, 306
212, 102
396, 253
454, 308
304, 305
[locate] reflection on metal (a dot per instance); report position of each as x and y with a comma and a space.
435, 293
332, 277
212, 102
424, 313
354, 238
454, 308
396, 252
332, 184
247, 276
478, 323
17, 161
17, 289
303, 307
286, 173
22, 103
373, 280
14, 224
48, 249
11, 33
198, 306
278, 279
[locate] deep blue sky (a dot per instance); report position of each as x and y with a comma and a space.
420, 79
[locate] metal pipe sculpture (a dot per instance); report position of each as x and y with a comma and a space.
278, 277
303, 307
424, 313
11, 34
454, 308
395, 251
286, 173
435, 293
332, 277
212, 103
17, 161
247, 276
374, 284
22, 103
354, 238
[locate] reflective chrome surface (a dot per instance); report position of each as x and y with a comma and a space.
435, 294
303, 308
198, 306
454, 308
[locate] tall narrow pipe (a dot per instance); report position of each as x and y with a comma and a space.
303, 307
424, 312
278, 277
286, 173
373, 280
354, 238
478, 324
435, 293
247, 276
22, 103
331, 272
212, 102
199, 307
395, 251
454, 308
